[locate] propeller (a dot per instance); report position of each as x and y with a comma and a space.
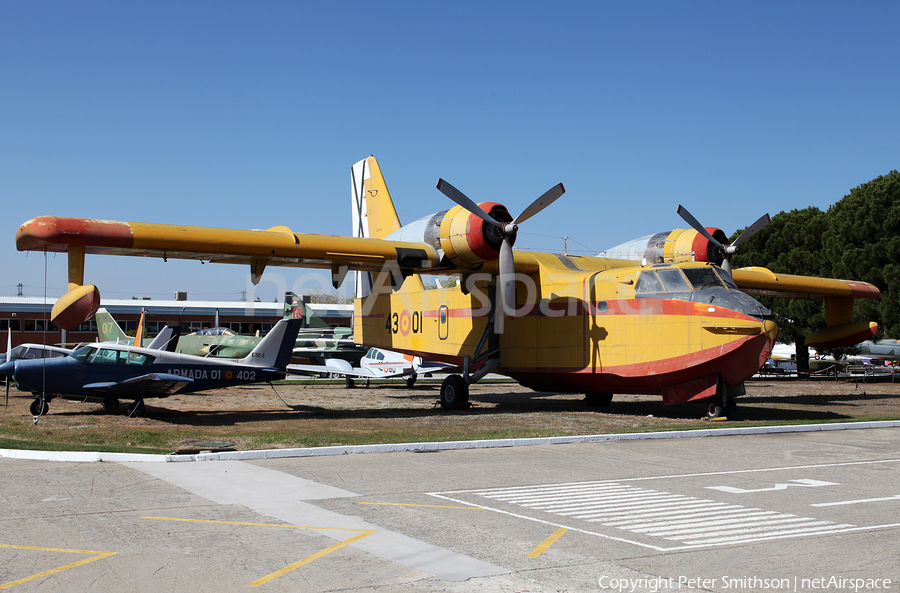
728, 251
507, 230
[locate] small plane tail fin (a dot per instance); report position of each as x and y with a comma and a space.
166, 339
373, 212
275, 349
295, 308
108, 329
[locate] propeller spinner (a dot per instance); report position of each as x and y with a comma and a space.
728, 251
507, 231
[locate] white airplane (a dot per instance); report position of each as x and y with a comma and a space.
376, 364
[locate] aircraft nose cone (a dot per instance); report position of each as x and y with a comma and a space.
8, 368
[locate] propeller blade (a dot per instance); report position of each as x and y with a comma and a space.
688, 218
506, 281
461, 199
550, 196
752, 229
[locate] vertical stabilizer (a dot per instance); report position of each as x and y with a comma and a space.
108, 330
295, 308
276, 348
374, 216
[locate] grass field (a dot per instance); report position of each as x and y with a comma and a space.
315, 413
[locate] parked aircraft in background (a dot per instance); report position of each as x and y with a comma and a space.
376, 364
670, 320
105, 372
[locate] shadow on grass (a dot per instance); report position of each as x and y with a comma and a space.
500, 401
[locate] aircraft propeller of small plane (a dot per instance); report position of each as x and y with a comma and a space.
664, 314
104, 372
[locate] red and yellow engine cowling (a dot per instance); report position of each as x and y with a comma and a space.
679, 245
467, 240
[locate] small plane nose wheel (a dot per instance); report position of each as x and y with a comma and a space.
39, 407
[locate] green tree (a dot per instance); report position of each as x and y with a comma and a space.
791, 244
863, 243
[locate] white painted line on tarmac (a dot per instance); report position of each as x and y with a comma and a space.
282, 496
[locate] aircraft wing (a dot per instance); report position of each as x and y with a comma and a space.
257, 248
151, 384
763, 282
342, 367
839, 296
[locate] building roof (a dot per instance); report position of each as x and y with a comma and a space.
37, 305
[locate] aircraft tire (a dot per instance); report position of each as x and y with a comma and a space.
36, 409
715, 410
454, 392
110, 405
410, 381
350, 383
598, 400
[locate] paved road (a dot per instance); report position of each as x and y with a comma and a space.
804, 511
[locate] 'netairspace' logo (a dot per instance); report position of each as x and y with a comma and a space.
729, 583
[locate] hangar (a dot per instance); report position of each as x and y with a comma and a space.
29, 317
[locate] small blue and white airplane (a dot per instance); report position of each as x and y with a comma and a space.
104, 372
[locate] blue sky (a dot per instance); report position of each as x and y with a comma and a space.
250, 114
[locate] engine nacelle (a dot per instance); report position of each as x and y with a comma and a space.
679, 245
459, 237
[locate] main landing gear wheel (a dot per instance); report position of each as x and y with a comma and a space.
350, 383
37, 409
410, 381
727, 411
715, 411
110, 405
454, 392
598, 400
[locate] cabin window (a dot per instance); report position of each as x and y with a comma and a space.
140, 359
673, 280
648, 282
107, 356
702, 277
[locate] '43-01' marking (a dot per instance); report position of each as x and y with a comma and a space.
403, 323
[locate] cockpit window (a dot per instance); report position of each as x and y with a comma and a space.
84, 354
726, 278
702, 277
648, 282
673, 280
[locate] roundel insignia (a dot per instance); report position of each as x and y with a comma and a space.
229, 375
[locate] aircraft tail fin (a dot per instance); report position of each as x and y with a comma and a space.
275, 349
374, 215
108, 329
295, 308
166, 339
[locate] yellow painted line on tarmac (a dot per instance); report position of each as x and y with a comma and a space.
547, 543
97, 556
361, 534
439, 506
309, 559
